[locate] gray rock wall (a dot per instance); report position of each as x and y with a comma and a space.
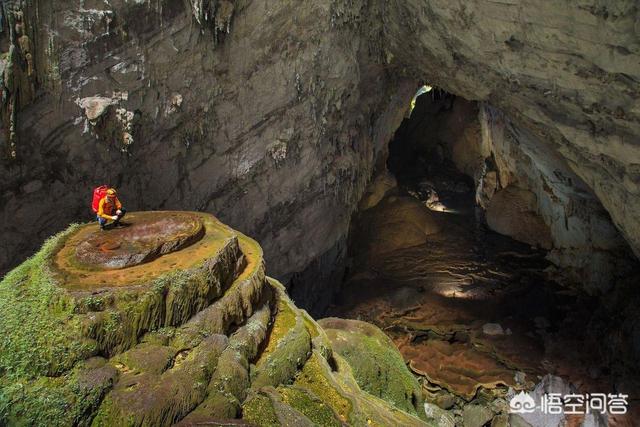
271, 123
272, 115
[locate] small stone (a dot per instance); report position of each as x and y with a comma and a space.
492, 329
517, 421
95, 106
439, 416
445, 400
501, 420
476, 415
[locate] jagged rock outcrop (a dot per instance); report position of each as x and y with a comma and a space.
196, 335
273, 115
527, 190
584, 242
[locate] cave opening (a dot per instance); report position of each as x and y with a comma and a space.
477, 313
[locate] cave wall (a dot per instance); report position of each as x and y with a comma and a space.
566, 71
526, 188
270, 120
585, 244
273, 115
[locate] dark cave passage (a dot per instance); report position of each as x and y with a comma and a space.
476, 314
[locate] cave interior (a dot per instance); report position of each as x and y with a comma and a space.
463, 278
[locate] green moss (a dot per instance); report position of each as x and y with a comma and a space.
288, 347
310, 406
315, 378
284, 321
259, 410
377, 365
147, 396
66, 400
146, 358
39, 336
230, 382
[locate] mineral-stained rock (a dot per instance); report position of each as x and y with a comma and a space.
196, 335
144, 237
440, 362
439, 416
476, 415
95, 107
328, 80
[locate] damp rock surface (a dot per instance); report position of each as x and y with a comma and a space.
142, 238
473, 313
197, 335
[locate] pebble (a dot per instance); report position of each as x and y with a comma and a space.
492, 329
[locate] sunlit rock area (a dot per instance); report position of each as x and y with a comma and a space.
450, 188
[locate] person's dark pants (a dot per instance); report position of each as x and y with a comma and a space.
103, 221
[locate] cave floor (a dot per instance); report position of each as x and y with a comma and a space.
473, 312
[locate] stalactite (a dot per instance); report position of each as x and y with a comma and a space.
18, 71
216, 13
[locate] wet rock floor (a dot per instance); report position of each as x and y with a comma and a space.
474, 313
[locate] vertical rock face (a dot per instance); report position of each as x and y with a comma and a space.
557, 210
527, 189
273, 115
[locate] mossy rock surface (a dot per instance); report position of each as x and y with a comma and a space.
377, 365
195, 334
57, 312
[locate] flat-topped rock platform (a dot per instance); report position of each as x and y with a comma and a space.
144, 237
149, 245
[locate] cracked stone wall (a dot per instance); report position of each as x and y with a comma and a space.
273, 115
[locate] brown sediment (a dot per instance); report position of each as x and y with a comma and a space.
144, 238
435, 295
457, 367
210, 235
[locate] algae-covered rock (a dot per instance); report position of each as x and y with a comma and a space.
194, 334
377, 365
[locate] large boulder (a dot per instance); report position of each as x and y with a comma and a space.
512, 212
377, 365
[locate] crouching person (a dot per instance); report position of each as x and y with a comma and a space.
110, 209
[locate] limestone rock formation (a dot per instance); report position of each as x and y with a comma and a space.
275, 115
196, 334
528, 190
512, 212
378, 367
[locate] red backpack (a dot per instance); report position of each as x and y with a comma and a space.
98, 194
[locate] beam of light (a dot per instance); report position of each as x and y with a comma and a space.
424, 89
441, 208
